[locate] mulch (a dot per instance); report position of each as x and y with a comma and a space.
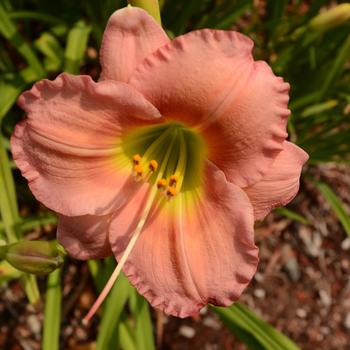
302, 287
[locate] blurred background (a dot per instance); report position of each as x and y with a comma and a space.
300, 297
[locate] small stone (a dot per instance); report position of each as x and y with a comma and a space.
86, 299
345, 245
312, 241
347, 322
80, 334
259, 277
187, 332
293, 269
290, 263
34, 324
326, 300
212, 323
345, 264
301, 313
325, 330
260, 293
203, 310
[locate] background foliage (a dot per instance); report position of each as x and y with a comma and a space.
303, 41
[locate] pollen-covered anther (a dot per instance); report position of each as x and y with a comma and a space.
173, 180
138, 170
171, 192
153, 165
161, 183
136, 159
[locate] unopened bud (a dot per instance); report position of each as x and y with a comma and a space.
333, 17
38, 257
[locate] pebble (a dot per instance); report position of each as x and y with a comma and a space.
347, 321
326, 300
203, 310
259, 293
290, 265
187, 332
212, 323
293, 269
211, 347
301, 313
312, 241
34, 324
345, 264
259, 277
325, 330
345, 245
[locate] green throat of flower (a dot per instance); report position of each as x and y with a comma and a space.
169, 156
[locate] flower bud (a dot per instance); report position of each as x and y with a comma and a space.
38, 257
333, 17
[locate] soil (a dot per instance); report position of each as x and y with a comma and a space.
302, 286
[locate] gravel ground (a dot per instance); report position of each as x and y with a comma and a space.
302, 287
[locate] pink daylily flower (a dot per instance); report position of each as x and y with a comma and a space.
171, 157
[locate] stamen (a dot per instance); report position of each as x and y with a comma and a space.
153, 165
171, 192
161, 183
173, 180
136, 159
138, 170
148, 206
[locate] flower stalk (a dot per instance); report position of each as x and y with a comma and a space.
151, 6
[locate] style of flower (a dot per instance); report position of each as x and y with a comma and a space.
166, 162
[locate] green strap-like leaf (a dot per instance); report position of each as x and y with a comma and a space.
252, 330
111, 314
336, 204
76, 45
10, 32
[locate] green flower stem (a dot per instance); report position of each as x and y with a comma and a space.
11, 219
151, 6
31, 289
52, 314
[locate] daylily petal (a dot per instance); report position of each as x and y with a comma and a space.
280, 184
131, 35
67, 147
84, 237
208, 78
193, 255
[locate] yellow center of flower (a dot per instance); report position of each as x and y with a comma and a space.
169, 156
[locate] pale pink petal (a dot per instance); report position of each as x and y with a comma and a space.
208, 79
280, 184
189, 255
68, 146
84, 237
130, 36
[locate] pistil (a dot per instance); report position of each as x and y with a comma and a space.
145, 213
169, 157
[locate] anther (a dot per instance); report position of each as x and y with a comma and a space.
138, 170
153, 165
161, 183
171, 192
136, 159
173, 180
